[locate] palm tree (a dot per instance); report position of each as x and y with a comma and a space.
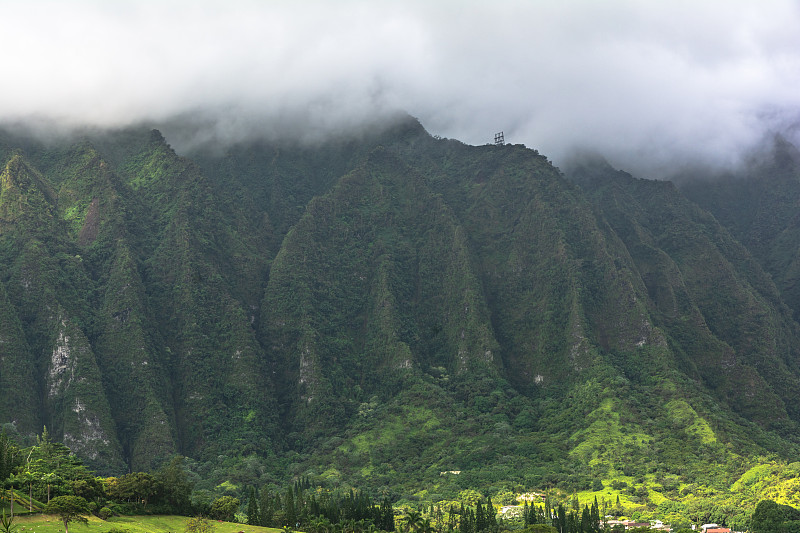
319, 525
10, 482
413, 520
49, 478
314, 525
28, 477
425, 526
349, 526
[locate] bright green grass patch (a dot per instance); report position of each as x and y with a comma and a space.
605, 432
787, 492
133, 524
656, 497
772, 481
683, 414
752, 477
608, 496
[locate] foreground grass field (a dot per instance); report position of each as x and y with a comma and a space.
133, 524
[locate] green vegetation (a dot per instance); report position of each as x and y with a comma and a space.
199, 525
405, 316
772, 517
7, 523
68, 509
319, 509
131, 524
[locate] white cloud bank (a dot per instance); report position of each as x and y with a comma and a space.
649, 83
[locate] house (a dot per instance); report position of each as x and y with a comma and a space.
511, 511
627, 524
531, 497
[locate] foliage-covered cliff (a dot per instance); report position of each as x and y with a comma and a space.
385, 308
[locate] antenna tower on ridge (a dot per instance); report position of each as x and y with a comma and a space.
498, 139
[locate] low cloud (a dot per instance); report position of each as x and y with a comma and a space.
651, 85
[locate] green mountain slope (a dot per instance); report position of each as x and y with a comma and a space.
385, 308
742, 341
758, 204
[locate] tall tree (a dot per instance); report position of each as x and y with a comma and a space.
266, 507
253, 516
480, 517
9, 453
289, 508
491, 515
48, 456
175, 485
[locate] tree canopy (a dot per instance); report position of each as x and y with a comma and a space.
69, 509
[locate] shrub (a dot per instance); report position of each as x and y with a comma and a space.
199, 525
224, 508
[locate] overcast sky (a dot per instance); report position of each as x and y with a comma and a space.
645, 82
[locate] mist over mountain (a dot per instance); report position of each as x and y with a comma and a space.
651, 87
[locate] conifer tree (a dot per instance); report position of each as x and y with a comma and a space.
8, 456
265, 508
253, 517
387, 516
586, 521
548, 510
491, 515
560, 519
289, 509
451, 519
595, 515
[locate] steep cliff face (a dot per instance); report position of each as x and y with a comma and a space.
758, 204
75, 401
272, 309
375, 280
19, 400
728, 323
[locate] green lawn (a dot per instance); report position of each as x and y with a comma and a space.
133, 524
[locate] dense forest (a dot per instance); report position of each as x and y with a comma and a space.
48, 478
404, 315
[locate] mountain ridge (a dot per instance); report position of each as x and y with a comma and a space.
275, 310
